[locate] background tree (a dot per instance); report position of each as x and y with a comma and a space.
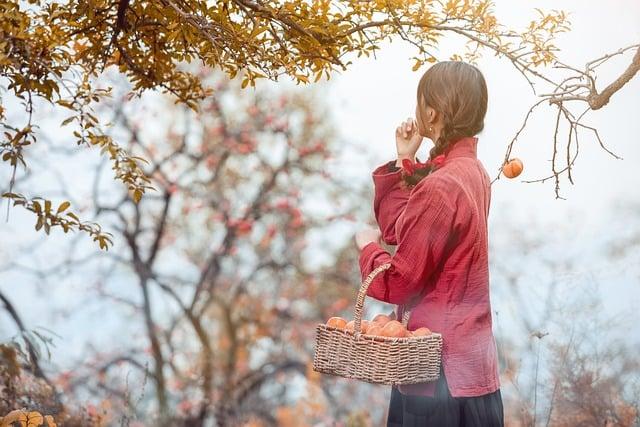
223, 316
568, 360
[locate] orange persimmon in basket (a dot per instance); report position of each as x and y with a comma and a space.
393, 328
364, 325
337, 322
374, 329
381, 319
421, 332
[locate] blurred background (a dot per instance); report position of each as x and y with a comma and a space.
215, 282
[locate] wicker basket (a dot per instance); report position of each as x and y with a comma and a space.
376, 359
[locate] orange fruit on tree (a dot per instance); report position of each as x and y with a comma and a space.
393, 328
421, 332
512, 168
337, 322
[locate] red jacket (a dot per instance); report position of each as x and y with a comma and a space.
440, 262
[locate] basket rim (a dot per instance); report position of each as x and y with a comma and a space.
352, 334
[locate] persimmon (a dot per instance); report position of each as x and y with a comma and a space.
350, 325
393, 328
421, 332
512, 168
337, 322
381, 319
364, 324
374, 329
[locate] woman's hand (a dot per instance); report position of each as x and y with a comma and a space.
366, 236
408, 139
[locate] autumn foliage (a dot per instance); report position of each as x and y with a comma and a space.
55, 53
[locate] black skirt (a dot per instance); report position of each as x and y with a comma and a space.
443, 410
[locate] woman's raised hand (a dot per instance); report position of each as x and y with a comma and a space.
408, 139
366, 236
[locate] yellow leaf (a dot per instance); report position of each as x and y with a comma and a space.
137, 195
257, 31
34, 419
63, 206
14, 416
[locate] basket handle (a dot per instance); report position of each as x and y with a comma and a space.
405, 316
362, 293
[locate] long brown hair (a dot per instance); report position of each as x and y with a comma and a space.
458, 91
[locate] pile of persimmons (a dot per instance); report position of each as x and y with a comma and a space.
381, 325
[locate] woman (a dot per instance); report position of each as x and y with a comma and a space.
436, 213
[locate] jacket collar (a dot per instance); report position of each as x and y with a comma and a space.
464, 147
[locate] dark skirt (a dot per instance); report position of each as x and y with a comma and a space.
443, 410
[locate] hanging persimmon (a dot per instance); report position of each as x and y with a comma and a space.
512, 168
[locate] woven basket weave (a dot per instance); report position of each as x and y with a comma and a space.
376, 359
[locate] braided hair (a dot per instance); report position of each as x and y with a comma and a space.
457, 90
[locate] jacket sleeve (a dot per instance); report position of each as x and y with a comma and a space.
426, 235
389, 200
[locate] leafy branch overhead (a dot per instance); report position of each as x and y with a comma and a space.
56, 52
47, 217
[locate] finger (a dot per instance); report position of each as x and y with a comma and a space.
412, 126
